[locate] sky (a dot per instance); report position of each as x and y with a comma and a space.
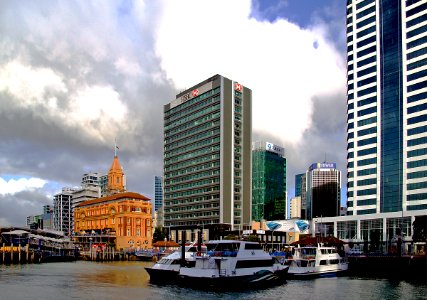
77, 75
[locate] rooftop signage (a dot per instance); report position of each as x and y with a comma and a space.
190, 94
274, 148
323, 165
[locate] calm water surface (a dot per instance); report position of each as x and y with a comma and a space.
129, 280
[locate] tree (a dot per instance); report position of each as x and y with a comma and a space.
159, 234
420, 229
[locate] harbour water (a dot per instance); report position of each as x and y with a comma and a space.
129, 280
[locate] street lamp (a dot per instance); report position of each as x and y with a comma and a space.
90, 248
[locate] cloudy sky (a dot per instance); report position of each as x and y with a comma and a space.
76, 75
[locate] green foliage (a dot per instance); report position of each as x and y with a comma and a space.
159, 234
231, 237
420, 229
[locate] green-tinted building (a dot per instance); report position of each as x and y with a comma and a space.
268, 182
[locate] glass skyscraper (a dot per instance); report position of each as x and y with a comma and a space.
387, 106
268, 182
158, 193
207, 155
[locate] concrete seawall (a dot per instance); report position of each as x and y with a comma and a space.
399, 267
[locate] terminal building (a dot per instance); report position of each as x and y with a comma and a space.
207, 158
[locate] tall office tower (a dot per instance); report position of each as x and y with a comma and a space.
207, 155
62, 213
387, 101
268, 182
158, 193
323, 193
298, 182
301, 191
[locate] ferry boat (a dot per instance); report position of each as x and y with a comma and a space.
316, 261
233, 264
166, 270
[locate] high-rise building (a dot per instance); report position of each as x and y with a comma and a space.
268, 182
90, 189
295, 207
62, 212
301, 191
323, 192
387, 106
158, 193
298, 182
103, 184
207, 155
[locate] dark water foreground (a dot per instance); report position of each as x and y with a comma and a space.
129, 280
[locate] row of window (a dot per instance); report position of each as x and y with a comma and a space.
191, 138
194, 161
192, 169
192, 147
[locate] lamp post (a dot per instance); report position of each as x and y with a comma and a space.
90, 248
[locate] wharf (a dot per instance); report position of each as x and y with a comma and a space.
412, 267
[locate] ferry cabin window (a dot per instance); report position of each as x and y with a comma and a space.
322, 262
254, 263
254, 246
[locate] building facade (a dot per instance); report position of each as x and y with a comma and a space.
207, 155
122, 219
295, 207
323, 193
268, 182
158, 193
62, 211
301, 191
387, 106
89, 189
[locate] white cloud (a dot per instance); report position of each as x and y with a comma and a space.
29, 84
278, 61
14, 186
96, 110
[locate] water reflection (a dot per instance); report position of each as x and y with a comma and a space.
124, 280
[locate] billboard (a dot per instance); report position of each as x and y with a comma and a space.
293, 225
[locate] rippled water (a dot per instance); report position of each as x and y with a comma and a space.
129, 280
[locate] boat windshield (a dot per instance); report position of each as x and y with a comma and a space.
306, 252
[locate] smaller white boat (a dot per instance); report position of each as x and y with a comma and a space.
317, 261
166, 270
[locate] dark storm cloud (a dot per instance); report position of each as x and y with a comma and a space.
17, 207
70, 48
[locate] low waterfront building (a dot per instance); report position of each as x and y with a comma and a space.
122, 219
373, 232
